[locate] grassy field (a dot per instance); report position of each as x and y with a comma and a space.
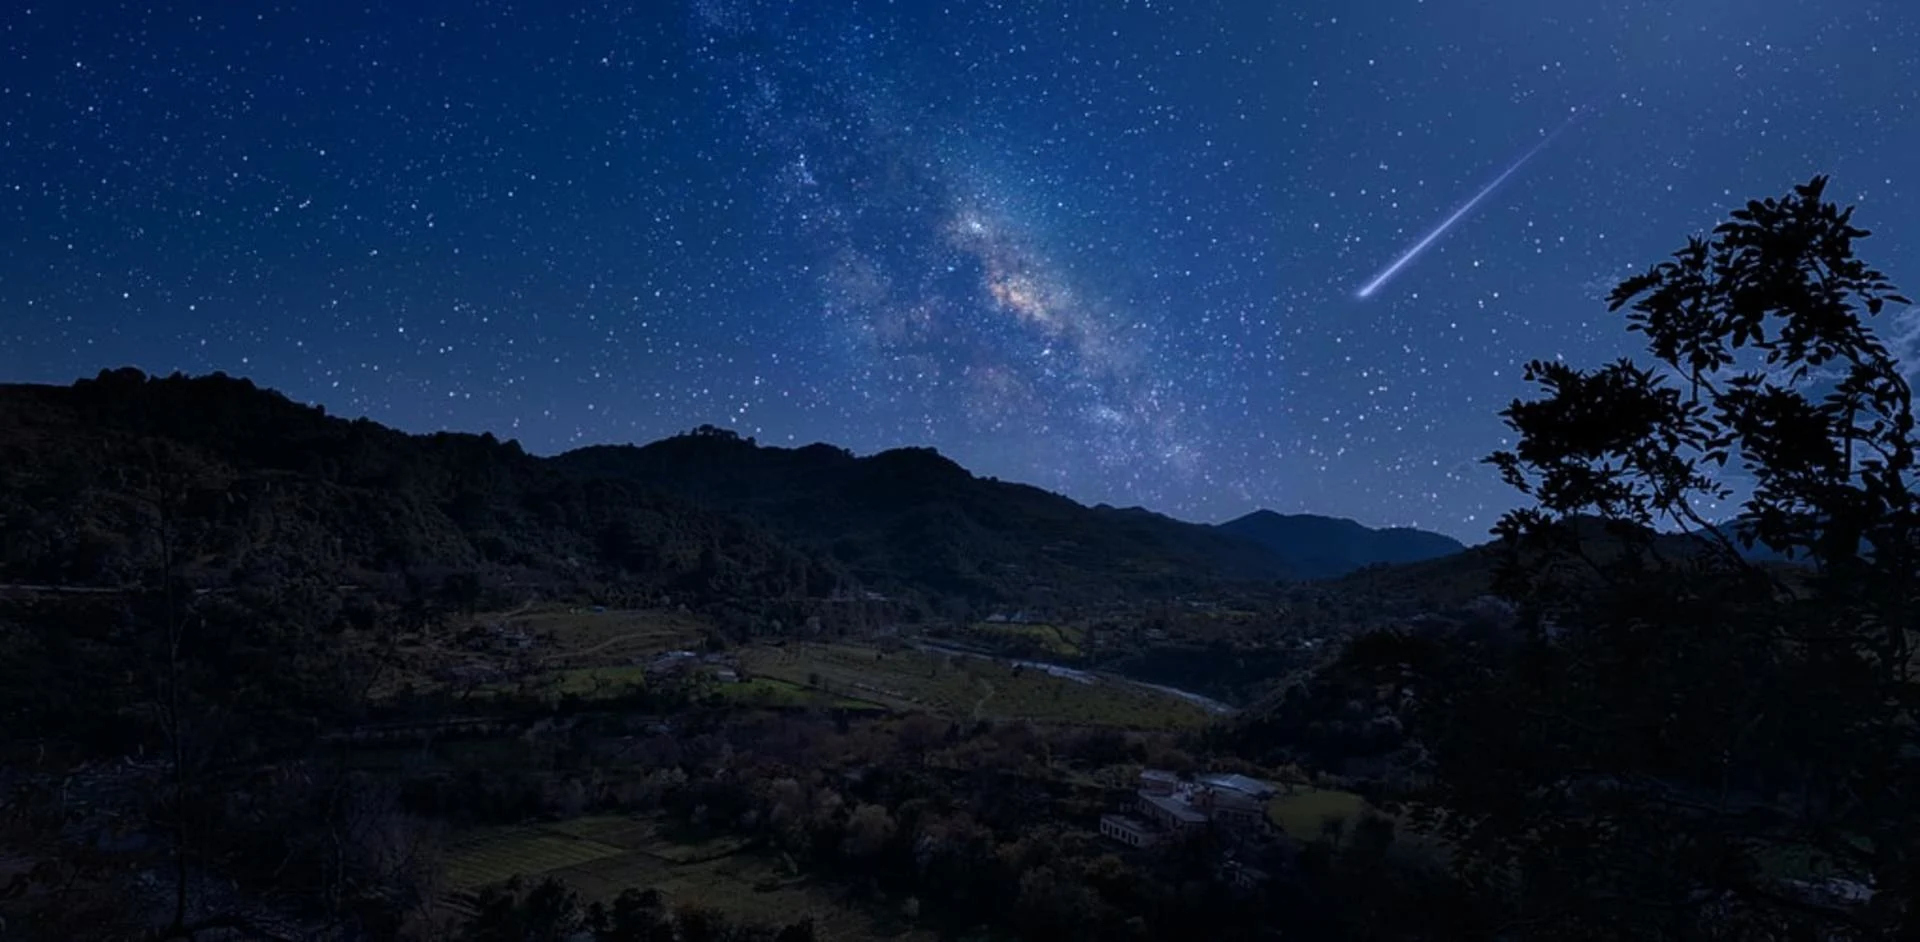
1300, 813
600, 681
774, 692
495, 855
584, 636
968, 687
601, 855
1056, 640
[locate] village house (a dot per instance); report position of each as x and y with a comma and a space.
718, 667
1158, 782
672, 662
1129, 830
1173, 812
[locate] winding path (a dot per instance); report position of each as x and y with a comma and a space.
982, 702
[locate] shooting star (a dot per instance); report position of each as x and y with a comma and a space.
1386, 274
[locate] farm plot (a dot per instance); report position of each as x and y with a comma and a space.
601, 855
1062, 641
777, 693
1300, 814
971, 687
584, 636
599, 682
501, 854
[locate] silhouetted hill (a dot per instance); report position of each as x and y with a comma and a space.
912, 517
1760, 552
1321, 547
256, 486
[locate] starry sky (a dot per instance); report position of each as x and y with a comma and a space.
1111, 247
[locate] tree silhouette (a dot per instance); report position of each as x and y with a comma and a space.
1683, 741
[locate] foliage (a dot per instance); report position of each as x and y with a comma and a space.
1665, 723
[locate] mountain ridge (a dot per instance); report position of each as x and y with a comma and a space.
905, 503
1316, 546
284, 483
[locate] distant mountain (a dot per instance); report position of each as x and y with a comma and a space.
1759, 552
1316, 547
912, 517
1456, 578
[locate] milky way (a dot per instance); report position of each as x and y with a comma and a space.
1108, 248
937, 278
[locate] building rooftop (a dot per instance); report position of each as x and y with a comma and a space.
1224, 798
1234, 781
1177, 807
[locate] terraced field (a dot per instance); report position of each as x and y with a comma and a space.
586, 637
774, 692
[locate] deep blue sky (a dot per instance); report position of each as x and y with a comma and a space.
1111, 248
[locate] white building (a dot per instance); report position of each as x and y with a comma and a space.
1128, 830
1164, 804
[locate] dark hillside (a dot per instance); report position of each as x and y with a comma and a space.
1457, 577
911, 517
251, 482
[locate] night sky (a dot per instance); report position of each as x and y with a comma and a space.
1111, 248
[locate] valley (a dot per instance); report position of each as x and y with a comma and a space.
303, 670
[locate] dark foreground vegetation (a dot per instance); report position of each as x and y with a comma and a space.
269, 674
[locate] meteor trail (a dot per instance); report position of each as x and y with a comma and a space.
1367, 290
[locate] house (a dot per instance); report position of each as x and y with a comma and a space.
1170, 812
1229, 807
672, 662
726, 675
1240, 784
1128, 830
1165, 804
1158, 781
